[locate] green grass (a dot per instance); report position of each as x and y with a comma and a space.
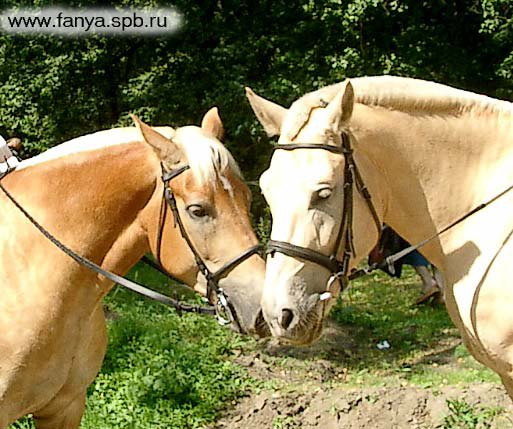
163, 370
284, 422
462, 415
166, 371
423, 339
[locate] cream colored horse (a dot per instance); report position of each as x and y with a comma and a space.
101, 195
428, 154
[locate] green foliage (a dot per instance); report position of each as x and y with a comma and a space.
54, 89
24, 423
263, 227
462, 415
162, 370
284, 422
498, 24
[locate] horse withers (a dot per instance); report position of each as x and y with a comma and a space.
427, 154
102, 195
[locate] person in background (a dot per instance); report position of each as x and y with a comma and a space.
14, 144
389, 243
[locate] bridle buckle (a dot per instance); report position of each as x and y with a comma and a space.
340, 277
223, 311
339, 268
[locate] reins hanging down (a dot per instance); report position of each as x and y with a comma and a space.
133, 286
222, 308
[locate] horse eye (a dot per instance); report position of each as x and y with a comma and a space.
196, 211
324, 193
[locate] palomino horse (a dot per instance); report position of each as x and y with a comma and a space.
101, 195
428, 155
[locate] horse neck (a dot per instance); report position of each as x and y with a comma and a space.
92, 201
435, 168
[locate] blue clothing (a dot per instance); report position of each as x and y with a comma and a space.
389, 243
415, 259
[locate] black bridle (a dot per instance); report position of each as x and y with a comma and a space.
339, 269
219, 304
214, 293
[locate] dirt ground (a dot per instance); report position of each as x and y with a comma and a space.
306, 388
369, 408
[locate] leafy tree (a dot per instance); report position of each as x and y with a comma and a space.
54, 89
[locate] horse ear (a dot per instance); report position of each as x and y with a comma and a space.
340, 109
212, 124
269, 114
167, 151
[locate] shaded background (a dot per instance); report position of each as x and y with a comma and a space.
55, 89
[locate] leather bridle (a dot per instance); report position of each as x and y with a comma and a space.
339, 269
220, 305
214, 293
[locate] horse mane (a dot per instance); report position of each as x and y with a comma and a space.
208, 159
414, 96
424, 97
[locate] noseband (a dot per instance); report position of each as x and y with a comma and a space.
215, 294
339, 269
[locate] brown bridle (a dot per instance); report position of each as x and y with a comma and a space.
339, 269
215, 294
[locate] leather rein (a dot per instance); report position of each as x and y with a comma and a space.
219, 305
339, 269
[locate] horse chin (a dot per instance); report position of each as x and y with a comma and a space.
307, 338
311, 337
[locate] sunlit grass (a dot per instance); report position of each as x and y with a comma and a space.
167, 371
162, 369
425, 346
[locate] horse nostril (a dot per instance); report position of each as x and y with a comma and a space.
286, 318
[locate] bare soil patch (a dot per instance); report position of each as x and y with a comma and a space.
363, 408
308, 388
